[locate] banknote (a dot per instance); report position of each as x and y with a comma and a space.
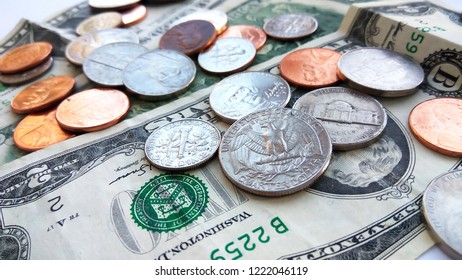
96, 196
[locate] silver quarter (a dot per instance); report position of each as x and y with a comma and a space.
244, 93
182, 144
442, 209
99, 21
105, 65
159, 74
78, 49
28, 75
290, 26
380, 72
353, 119
275, 152
227, 55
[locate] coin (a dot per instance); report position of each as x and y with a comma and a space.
99, 21
247, 92
159, 74
182, 144
219, 19
79, 49
190, 37
42, 94
310, 67
227, 55
353, 119
442, 209
39, 130
113, 4
381, 72
134, 15
290, 26
105, 65
252, 33
25, 57
275, 152
92, 110
437, 124
27, 75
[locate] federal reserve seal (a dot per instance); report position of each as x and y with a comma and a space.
169, 202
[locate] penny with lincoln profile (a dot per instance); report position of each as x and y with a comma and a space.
25, 57
252, 33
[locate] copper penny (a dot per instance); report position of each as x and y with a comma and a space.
100, 21
42, 94
25, 57
311, 67
253, 33
134, 15
39, 130
27, 75
190, 37
218, 18
437, 124
92, 110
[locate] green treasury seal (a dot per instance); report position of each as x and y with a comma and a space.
169, 201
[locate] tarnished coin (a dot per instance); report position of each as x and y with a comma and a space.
442, 209
247, 92
227, 55
99, 21
182, 144
219, 19
42, 94
311, 67
190, 37
275, 152
159, 74
134, 15
79, 49
105, 65
381, 72
92, 110
353, 119
113, 4
290, 26
437, 124
39, 130
252, 33
25, 57
28, 75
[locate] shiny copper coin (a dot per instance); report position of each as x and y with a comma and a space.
25, 57
112, 4
42, 94
252, 33
100, 21
311, 67
39, 130
437, 124
134, 15
28, 75
218, 18
190, 37
92, 110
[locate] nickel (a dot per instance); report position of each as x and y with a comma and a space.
290, 26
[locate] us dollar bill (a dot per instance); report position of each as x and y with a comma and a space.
83, 198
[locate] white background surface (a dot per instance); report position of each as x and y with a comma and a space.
11, 11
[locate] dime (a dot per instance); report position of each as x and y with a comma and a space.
113, 4
381, 72
159, 74
42, 94
134, 15
92, 110
219, 19
99, 21
437, 124
353, 119
247, 92
290, 26
182, 144
39, 130
79, 49
252, 33
442, 209
190, 37
28, 75
106, 64
275, 152
311, 67
227, 55
25, 57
